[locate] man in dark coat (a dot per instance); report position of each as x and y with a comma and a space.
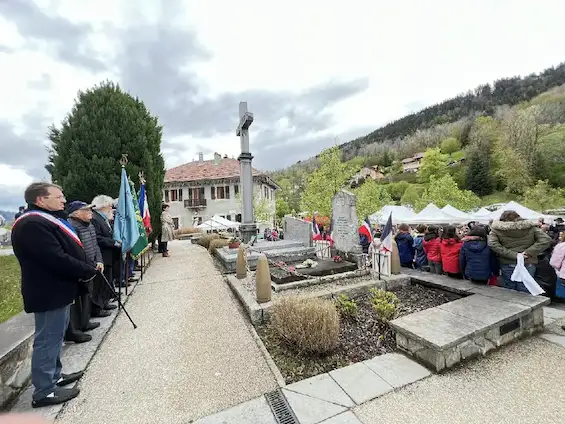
80, 216
53, 265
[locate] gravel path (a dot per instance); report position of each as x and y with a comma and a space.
521, 383
191, 356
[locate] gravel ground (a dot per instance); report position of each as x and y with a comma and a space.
191, 356
522, 383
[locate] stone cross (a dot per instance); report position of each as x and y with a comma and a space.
247, 228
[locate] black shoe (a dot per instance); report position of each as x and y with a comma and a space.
133, 279
100, 313
78, 337
109, 307
69, 378
91, 326
60, 395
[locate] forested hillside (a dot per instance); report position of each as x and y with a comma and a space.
501, 142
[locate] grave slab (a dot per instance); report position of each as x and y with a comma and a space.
511, 296
554, 338
310, 410
488, 310
439, 281
360, 382
436, 327
397, 370
322, 268
254, 411
344, 418
322, 387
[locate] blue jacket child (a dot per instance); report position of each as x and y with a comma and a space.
478, 263
420, 257
405, 244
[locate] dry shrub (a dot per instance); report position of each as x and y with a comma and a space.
188, 230
309, 325
217, 243
204, 241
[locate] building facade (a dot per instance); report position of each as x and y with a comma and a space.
201, 189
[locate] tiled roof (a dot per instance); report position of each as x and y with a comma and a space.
206, 170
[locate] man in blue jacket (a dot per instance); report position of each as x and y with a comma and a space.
53, 264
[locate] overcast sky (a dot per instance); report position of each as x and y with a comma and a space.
311, 70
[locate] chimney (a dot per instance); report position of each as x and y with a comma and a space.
217, 158
226, 156
200, 157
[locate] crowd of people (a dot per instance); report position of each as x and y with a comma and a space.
484, 253
70, 266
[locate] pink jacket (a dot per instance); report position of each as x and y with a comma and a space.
558, 260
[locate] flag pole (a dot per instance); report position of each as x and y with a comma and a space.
142, 182
123, 264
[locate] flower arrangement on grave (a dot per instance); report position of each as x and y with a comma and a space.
308, 263
234, 242
337, 259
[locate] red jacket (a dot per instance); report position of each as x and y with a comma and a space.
431, 247
450, 255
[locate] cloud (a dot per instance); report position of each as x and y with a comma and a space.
68, 40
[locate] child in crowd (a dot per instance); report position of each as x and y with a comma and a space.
405, 244
431, 246
558, 262
477, 262
420, 258
449, 248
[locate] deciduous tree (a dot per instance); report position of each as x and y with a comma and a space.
88, 144
370, 198
450, 145
542, 197
325, 182
433, 164
443, 191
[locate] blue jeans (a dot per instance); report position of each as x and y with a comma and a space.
131, 268
46, 365
507, 271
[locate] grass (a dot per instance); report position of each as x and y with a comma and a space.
11, 297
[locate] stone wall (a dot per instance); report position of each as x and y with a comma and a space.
16, 344
298, 230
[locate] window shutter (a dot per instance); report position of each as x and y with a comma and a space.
227, 192
166, 196
213, 192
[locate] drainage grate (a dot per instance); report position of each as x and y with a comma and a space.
280, 407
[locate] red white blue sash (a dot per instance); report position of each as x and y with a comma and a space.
53, 220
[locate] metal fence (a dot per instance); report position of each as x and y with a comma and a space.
380, 262
322, 249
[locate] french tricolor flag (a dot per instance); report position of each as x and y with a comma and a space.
386, 236
144, 209
315, 230
365, 229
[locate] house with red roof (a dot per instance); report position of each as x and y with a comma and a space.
202, 188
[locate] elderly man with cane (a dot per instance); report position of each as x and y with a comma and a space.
53, 265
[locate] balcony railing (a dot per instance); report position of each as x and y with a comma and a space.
195, 203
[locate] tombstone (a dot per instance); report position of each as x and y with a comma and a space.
345, 224
298, 230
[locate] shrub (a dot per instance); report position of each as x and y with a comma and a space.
217, 243
205, 240
309, 325
384, 303
346, 306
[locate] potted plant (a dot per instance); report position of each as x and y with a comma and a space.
234, 243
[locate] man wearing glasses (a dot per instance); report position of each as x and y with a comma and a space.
53, 264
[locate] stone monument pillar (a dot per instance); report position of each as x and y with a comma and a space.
247, 228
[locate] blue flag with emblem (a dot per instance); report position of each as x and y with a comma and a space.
126, 229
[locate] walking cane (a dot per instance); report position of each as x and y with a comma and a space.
119, 300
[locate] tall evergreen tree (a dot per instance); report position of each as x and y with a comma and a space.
105, 123
479, 172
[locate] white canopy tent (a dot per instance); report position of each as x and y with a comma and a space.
399, 215
523, 211
431, 214
450, 210
218, 223
481, 213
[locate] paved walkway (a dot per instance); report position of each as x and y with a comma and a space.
192, 354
